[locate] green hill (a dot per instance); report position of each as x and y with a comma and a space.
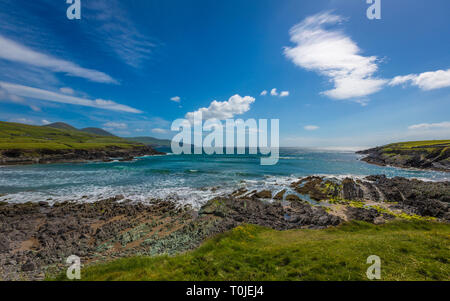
434, 154
98, 131
25, 144
61, 126
22, 136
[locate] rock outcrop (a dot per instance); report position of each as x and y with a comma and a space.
46, 156
434, 156
37, 238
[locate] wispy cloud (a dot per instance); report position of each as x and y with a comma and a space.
335, 55
159, 131
35, 93
263, 93
15, 52
221, 110
311, 127
284, 94
176, 99
116, 125
109, 23
274, 92
67, 90
430, 126
425, 81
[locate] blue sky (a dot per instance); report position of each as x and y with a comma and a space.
132, 67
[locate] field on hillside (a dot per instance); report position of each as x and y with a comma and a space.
28, 137
432, 144
408, 251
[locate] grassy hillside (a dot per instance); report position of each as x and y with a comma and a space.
97, 131
28, 137
61, 126
429, 145
408, 250
433, 154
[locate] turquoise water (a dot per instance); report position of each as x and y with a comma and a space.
189, 179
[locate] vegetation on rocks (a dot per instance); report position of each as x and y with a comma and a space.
418, 154
408, 251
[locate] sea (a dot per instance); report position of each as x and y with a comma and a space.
185, 179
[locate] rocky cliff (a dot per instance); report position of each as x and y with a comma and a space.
433, 155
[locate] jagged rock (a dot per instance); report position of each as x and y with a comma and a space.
279, 195
293, 198
351, 190
264, 194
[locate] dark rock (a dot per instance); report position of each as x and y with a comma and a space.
293, 198
279, 195
265, 194
28, 267
351, 190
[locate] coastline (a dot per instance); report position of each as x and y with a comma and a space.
20, 157
364, 158
38, 237
423, 155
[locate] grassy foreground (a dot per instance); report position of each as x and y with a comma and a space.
408, 250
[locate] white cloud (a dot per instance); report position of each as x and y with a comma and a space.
67, 90
274, 92
35, 108
311, 127
45, 122
425, 81
16, 52
429, 126
159, 131
333, 54
116, 125
236, 105
176, 99
22, 120
25, 91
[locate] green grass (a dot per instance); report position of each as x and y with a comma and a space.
419, 144
28, 137
409, 250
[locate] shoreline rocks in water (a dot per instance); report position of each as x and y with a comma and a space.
46, 156
37, 238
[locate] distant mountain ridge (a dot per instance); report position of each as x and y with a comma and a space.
98, 131
90, 130
61, 126
149, 141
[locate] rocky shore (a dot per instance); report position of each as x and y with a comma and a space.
47, 156
37, 238
433, 157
